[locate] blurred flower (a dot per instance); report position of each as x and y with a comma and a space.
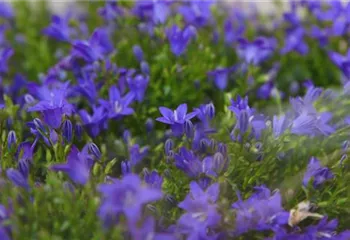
179, 39
93, 123
153, 179
5, 54
138, 86
294, 41
256, 51
96, 48
220, 76
201, 212
77, 166
232, 32
197, 13
59, 29
110, 11
261, 211
127, 196
6, 10
137, 154
342, 62
317, 173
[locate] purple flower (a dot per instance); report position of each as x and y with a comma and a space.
220, 76
96, 48
126, 196
93, 123
5, 54
77, 166
118, 106
256, 51
261, 211
156, 12
179, 39
201, 212
137, 154
153, 179
148, 231
67, 130
197, 13
316, 172
342, 62
18, 178
137, 50
87, 87
233, 33
53, 105
138, 86
6, 10
239, 105
110, 11
189, 163
279, 125
59, 29
294, 41
265, 90
320, 34
176, 118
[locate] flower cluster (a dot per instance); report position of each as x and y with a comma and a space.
174, 120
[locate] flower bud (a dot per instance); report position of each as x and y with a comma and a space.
38, 124
138, 52
126, 169
29, 99
188, 128
78, 131
243, 121
210, 110
145, 68
149, 125
11, 139
67, 130
168, 146
94, 150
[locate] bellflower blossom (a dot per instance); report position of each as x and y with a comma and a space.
94, 49
201, 212
77, 166
138, 86
126, 196
94, 123
5, 54
261, 211
53, 106
137, 154
118, 105
156, 12
342, 62
316, 172
232, 32
110, 11
6, 10
59, 28
256, 51
294, 41
197, 13
220, 76
176, 118
179, 39
189, 163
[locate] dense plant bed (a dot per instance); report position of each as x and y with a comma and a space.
174, 120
